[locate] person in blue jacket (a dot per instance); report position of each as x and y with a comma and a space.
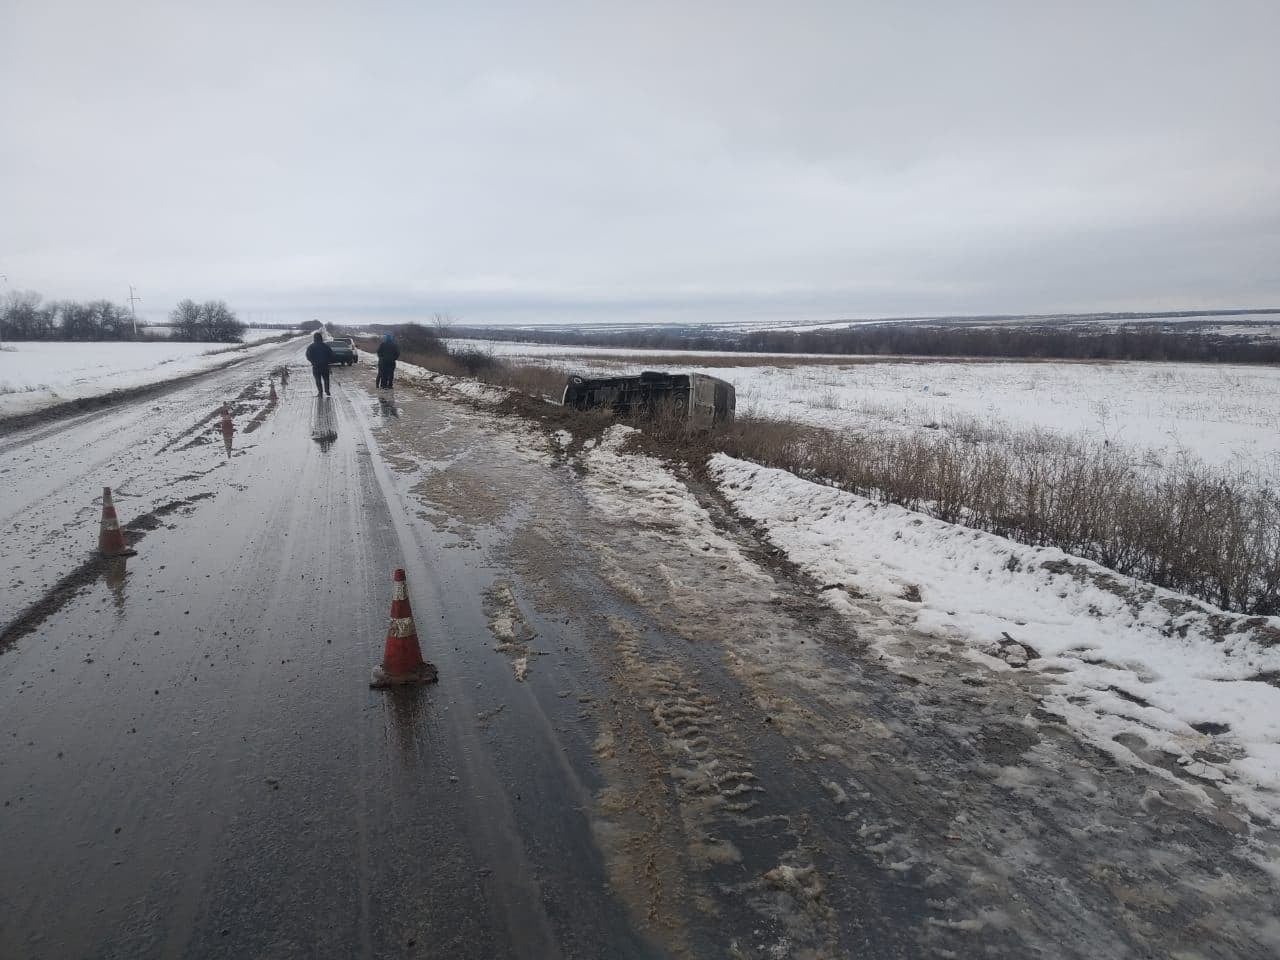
388, 354
320, 356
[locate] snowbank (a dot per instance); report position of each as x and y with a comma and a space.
39, 374
462, 386
1128, 658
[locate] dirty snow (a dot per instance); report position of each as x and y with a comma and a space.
38, 374
639, 489
462, 386
1126, 658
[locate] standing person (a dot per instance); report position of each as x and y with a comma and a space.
320, 356
388, 354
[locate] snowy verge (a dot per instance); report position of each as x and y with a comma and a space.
462, 386
39, 374
1129, 659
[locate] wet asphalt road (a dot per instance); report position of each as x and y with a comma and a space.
193, 763
649, 739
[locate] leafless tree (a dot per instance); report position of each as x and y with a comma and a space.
442, 324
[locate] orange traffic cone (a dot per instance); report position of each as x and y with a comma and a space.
272, 395
402, 659
110, 536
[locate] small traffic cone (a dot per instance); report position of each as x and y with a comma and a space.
272, 395
110, 536
402, 661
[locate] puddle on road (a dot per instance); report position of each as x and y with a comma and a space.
462, 476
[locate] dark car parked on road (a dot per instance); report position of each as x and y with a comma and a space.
344, 351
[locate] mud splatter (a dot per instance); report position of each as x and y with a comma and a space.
510, 626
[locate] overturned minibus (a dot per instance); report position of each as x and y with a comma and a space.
701, 400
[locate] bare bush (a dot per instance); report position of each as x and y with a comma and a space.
442, 324
416, 338
475, 361
528, 379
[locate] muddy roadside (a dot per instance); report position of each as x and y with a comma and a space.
767, 780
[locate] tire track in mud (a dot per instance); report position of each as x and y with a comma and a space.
736, 844
740, 767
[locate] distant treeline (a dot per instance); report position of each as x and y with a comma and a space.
1150, 341
24, 315
1068, 343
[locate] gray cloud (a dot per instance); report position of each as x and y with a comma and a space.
669, 161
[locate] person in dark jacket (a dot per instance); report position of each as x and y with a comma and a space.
388, 354
320, 357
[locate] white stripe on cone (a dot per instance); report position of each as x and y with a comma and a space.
402, 627
401, 591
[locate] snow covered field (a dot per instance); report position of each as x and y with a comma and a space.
38, 374
1223, 414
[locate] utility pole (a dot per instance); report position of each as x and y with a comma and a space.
132, 312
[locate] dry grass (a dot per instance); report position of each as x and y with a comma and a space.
483, 366
1186, 527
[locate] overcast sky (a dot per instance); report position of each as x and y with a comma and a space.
643, 160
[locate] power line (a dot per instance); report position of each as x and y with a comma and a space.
132, 312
